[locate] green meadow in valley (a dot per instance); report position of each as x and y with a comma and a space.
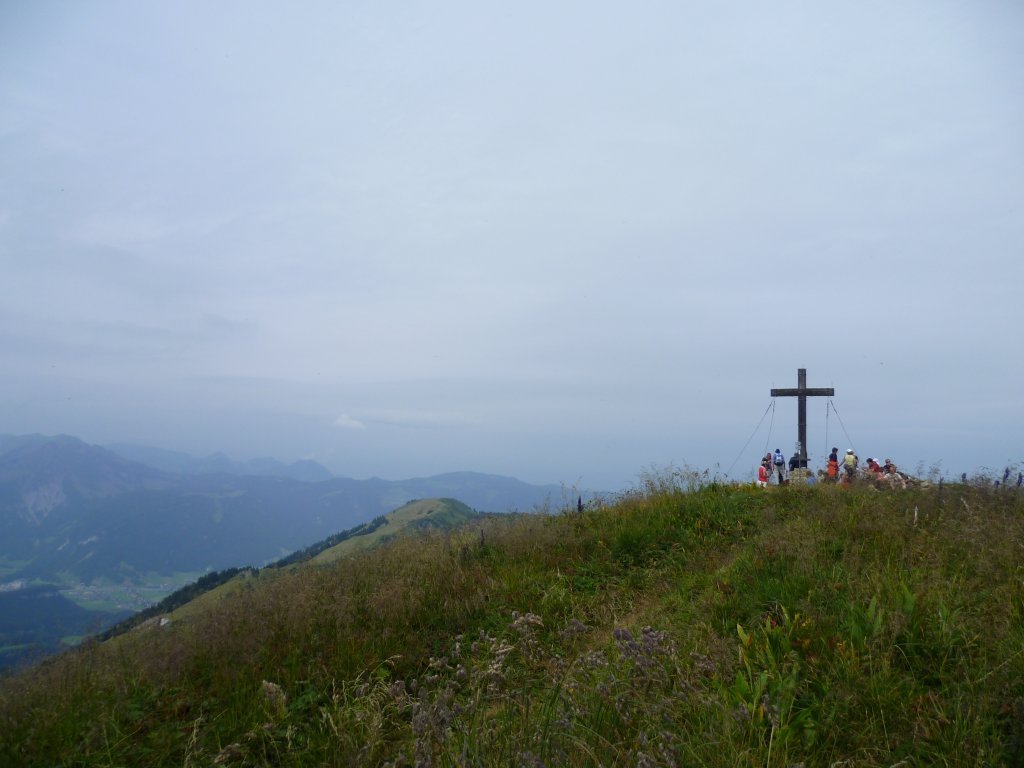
683, 623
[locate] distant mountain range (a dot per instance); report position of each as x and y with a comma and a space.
74, 514
87, 513
217, 463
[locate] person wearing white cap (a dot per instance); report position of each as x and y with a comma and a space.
850, 463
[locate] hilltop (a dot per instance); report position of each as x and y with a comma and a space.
680, 624
418, 516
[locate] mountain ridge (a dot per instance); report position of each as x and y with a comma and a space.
56, 617
219, 463
416, 516
67, 506
117, 535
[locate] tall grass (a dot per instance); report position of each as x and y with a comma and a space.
685, 623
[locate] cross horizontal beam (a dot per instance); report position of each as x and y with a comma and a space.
807, 391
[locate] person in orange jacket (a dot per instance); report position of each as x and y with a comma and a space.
832, 468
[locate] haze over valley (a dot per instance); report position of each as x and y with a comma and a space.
86, 529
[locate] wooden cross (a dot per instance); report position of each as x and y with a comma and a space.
802, 392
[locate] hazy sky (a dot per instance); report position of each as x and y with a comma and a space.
567, 242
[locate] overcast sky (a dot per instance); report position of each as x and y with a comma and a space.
568, 242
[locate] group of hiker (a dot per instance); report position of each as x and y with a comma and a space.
774, 469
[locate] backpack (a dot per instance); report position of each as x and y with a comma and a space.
780, 460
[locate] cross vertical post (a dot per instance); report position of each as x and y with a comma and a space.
801, 393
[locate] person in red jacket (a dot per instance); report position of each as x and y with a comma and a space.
763, 473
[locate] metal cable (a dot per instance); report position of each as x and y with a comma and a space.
828, 402
850, 439
770, 407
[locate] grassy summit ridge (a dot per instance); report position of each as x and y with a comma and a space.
683, 624
416, 515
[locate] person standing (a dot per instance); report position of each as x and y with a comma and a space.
779, 461
832, 468
763, 473
850, 462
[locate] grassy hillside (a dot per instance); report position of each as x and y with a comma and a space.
208, 591
679, 625
416, 516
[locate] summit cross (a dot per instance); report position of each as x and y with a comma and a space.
802, 392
